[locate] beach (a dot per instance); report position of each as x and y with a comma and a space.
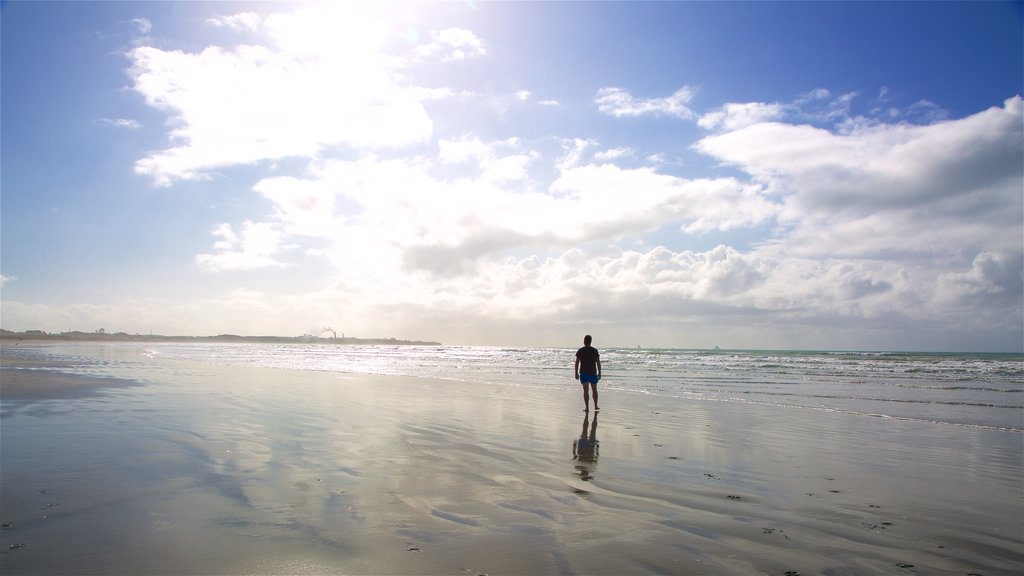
130, 463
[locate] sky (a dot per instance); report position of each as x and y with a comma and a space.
790, 175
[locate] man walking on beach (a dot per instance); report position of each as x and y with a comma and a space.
588, 371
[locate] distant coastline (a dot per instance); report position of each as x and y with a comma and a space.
102, 336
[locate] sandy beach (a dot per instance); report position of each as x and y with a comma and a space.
193, 468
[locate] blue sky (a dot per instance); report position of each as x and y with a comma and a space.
757, 175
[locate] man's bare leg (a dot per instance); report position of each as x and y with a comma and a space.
586, 399
594, 387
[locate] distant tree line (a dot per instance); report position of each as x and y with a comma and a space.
104, 336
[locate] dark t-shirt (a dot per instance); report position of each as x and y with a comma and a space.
588, 356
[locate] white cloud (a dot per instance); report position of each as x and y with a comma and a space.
618, 102
305, 208
5, 279
613, 154
406, 219
452, 44
992, 276
614, 201
769, 297
926, 112
239, 22
942, 188
573, 152
503, 161
860, 221
458, 151
122, 123
820, 105
735, 116
821, 108
143, 25
257, 246
321, 81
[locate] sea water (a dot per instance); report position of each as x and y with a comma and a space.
975, 390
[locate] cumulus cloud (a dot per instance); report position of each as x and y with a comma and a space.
256, 246
669, 287
318, 82
889, 189
620, 103
995, 276
406, 218
238, 22
871, 221
734, 116
613, 154
452, 44
505, 161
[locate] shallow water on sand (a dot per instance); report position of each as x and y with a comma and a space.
210, 468
985, 390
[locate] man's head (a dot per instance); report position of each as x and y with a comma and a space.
586, 340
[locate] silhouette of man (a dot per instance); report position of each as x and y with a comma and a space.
588, 371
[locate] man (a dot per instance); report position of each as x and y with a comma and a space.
588, 371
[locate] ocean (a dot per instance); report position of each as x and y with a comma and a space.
974, 390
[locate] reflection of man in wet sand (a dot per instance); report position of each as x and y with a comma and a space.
588, 371
584, 448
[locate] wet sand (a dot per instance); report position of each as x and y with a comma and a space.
205, 469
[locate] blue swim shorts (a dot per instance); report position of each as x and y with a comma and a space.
589, 378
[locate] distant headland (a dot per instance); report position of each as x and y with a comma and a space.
104, 336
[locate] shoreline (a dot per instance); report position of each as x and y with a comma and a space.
209, 469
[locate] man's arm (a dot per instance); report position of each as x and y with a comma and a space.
599, 368
576, 368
